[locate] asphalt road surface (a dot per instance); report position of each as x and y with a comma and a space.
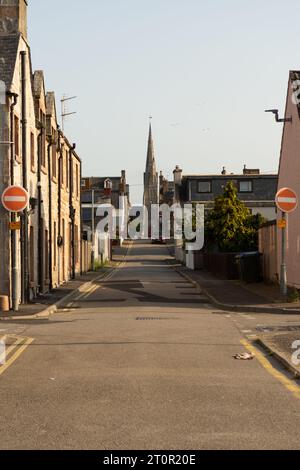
142, 361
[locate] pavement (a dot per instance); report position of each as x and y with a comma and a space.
143, 360
46, 304
238, 296
283, 342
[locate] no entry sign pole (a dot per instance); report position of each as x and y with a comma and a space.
286, 201
15, 200
283, 272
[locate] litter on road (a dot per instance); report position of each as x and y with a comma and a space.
244, 356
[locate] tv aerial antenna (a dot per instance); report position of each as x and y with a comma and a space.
64, 110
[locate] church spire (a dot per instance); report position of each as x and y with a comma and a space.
150, 150
150, 164
150, 175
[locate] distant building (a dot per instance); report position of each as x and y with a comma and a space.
166, 190
256, 190
99, 191
151, 194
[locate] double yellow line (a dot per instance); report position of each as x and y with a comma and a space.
289, 384
90, 289
17, 345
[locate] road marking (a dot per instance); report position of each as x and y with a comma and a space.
288, 383
17, 354
11, 348
90, 292
93, 287
84, 295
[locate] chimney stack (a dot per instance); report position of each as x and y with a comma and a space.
251, 171
13, 17
177, 175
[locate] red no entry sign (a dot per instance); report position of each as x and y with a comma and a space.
15, 199
286, 200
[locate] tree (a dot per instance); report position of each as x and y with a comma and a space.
229, 226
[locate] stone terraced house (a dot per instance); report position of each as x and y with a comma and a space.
35, 154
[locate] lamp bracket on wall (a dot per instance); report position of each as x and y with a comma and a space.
276, 113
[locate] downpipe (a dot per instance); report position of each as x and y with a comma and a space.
14, 242
24, 255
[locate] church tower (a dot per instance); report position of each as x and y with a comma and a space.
151, 194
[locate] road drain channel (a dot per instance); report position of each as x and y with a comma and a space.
154, 318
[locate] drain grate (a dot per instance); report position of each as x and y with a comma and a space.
153, 318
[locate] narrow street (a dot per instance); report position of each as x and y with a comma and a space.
143, 361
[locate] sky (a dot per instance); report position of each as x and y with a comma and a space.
204, 70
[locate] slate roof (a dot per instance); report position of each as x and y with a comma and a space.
8, 55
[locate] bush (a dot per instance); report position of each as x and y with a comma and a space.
229, 226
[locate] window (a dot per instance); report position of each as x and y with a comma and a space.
31, 254
204, 187
107, 184
32, 151
77, 181
76, 244
83, 183
61, 169
86, 214
54, 161
54, 245
43, 140
246, 187
71, 241
63, 249
46, 255
67, 169
17, 136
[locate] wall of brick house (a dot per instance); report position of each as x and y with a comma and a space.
289, 171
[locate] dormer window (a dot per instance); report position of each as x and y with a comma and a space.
246, 186
204, 187
107, 184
